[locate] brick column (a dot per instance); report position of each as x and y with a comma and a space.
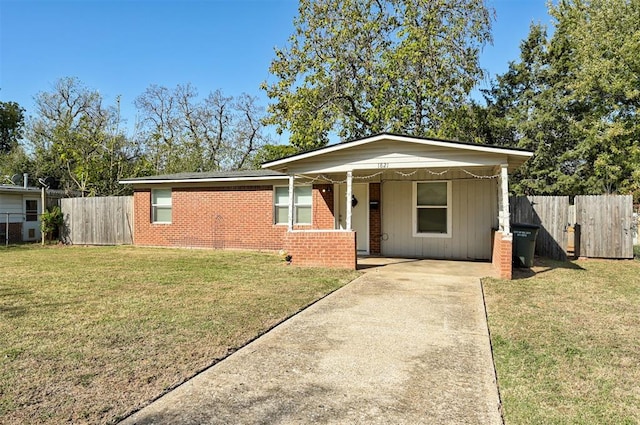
502, 254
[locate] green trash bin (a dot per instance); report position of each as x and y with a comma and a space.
524, 243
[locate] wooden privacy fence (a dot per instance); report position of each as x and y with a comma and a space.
605, 226
602, 223
104, 220
551, 214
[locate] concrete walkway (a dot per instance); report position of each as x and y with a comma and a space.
406, 343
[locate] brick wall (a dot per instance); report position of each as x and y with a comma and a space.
502, 254
323, 207
375, 220
15, 232
223, 217
322, 249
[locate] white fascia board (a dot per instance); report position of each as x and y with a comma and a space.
463, 146
209, 180
429, 142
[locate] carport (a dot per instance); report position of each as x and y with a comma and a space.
414, 197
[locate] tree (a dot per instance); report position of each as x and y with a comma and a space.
528, 108
269, 153
358, 67
606, 79
180, 133
77, 140
573, 99
11, 125
16, 161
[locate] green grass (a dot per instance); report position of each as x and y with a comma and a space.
567, 343
91, 334
636, 252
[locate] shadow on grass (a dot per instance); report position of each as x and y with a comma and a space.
21, 246
543, 265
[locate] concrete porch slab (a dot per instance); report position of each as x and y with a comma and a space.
477, 269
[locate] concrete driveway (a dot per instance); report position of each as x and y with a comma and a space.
406, 343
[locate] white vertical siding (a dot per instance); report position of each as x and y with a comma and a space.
474, 214
11, 203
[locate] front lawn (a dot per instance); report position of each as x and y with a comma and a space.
90, 334
567, 343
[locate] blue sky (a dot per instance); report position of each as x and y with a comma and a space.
120, 47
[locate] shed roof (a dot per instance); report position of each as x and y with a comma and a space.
21, 190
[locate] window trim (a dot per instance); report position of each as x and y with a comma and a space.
415, 207
31, 215
154, 206
295, 206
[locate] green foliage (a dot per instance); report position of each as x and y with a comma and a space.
361, 67
11, 125
51, 220
16, 161
76, 139
269, 153
573, 99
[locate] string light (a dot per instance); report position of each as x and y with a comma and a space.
324, 178
400, 173
480, 177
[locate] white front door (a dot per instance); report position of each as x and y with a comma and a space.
32, 209
359, 212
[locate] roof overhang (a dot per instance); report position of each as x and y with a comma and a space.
21, 190
200, 180
208, 177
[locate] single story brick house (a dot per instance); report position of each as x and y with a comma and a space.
388, 194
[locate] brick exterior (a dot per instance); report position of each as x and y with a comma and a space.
322, 249
15, 232
502, 254
323, 217
239, 217
242, 217
375, 219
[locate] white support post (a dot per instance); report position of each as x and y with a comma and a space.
43, 202
349, 197
503, 197
291, 202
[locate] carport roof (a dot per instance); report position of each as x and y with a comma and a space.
513, 156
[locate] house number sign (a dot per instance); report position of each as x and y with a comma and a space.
383, 165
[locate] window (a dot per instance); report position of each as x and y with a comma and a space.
161, 205
31, 210
432, 209
301, 205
